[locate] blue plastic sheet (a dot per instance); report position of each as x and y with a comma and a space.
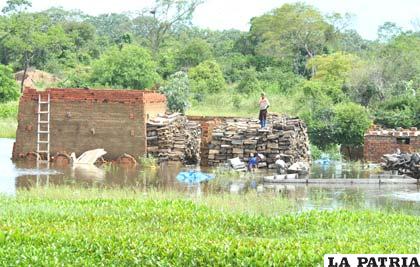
193, 177
324, 160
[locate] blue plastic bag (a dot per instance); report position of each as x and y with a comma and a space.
193, 177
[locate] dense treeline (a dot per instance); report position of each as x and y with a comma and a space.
310, 64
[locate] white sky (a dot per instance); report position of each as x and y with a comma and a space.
227, 14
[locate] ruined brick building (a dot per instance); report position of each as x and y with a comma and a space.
62, 121
380, 142
83, 119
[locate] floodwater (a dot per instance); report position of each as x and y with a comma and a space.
396, 197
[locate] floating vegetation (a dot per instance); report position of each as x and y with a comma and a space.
92, 227
148, 161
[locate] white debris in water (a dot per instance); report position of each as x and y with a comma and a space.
408, 196
21, 172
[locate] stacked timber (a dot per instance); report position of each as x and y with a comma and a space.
407, 164
173, 138
239, 137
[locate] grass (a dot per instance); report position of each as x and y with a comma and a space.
9, 109
8, 121
91, 227
8, 127
230, 104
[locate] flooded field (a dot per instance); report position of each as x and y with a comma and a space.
396, 197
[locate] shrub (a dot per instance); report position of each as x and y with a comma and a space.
282, 81
128, 67
350, 122
333, 152
249, 82
207, 77
8, 87
195, 52
177, 91
148, 161
9, 109
233, 65
78, 77
400, 111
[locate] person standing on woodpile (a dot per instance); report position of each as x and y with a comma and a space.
264, 105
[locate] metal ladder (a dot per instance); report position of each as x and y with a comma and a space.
43, 132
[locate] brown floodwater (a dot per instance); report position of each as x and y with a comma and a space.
395, 197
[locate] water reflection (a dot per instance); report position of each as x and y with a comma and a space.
399, 197
339, 169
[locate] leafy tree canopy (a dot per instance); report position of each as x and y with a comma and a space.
333, 67
291, 31
8, 86
350, 123
207, 77
129, 67
195, 52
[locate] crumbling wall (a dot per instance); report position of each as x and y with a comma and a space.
239, 137
207, 124
84, 119
380, 142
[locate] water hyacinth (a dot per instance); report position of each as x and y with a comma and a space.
92, 227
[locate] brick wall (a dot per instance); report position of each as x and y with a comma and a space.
377, 145
87, 119
207, 124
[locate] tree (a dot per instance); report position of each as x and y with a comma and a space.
291, 31
249, 82
387, 70
280, 79
195, 52
177, 91
233, 66
350, 41
207, 77
333, 67
167, 60
399, 111
366, 84
34, 41
350, 123
131, 67
8, 86
314, 106
111, 26
13, 6
82, 42
77, 77
16, 8
388, 31
163, 16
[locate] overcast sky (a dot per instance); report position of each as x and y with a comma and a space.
227, 14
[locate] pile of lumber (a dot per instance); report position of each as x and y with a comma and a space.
239, 137
173, 138
407, 164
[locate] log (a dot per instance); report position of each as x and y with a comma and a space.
403, 163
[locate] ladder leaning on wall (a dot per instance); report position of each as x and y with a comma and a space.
43, 132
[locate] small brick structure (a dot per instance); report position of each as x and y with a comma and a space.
85, 119
207, 123
380, 142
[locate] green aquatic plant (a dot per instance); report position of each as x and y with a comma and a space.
91, 227
148, 161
